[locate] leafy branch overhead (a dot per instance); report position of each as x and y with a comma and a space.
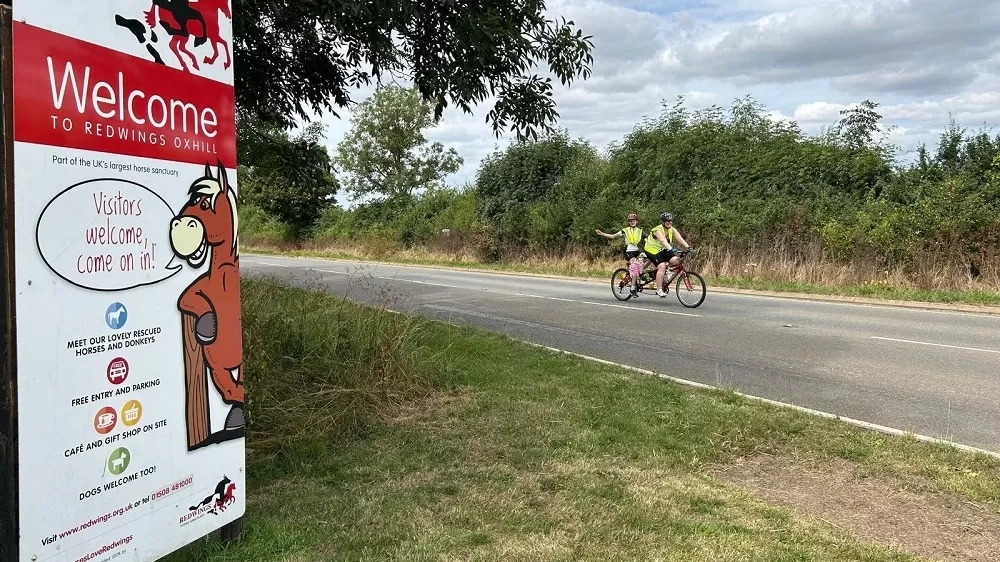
386, 154
294, 56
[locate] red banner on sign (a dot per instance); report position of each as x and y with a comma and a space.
74, 94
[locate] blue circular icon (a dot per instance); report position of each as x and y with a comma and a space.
116, 316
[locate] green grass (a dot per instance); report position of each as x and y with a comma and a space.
589, 271
464, 445
978, 297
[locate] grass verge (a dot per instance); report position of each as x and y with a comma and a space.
842, 285
416, 440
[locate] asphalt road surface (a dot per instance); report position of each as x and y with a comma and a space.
930, 372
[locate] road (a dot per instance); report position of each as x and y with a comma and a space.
930, 372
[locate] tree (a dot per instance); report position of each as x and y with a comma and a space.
859, 124
386, 153
525, 172
289, 178
292, 56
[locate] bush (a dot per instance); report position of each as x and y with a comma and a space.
257, 227
738, 182
318, 366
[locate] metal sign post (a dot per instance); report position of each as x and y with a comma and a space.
8, 375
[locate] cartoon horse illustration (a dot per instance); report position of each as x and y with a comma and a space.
114, 318
229, 497
206, 229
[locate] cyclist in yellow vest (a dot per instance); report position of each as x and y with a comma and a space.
633, 252
660, 249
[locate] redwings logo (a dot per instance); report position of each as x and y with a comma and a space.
183, 23
223, 497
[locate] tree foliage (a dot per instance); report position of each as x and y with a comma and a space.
859, 125
292, 56
290, 178
386, 154
737, 180
523, 173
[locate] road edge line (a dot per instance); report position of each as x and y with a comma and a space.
860, 423
985, 310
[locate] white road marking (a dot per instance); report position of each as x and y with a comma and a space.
721, 291
859, 423
493, 291
439, 269
937, 344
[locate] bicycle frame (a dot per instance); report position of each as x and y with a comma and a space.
622, 278
669, 275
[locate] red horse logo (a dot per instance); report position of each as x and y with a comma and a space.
210, 10
227, 498
225, 491
206, 229
183, 20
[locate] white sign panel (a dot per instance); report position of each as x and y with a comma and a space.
130, 385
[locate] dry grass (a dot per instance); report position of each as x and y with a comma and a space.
939, 526
523, 454
773, 268
318, 365
784, 266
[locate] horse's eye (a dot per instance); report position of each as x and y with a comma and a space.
204, 204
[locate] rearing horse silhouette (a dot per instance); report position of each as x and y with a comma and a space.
181, 22
210, 10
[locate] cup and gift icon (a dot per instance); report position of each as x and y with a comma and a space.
106, 419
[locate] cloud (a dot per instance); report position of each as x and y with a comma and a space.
805, 60
907, 46
932, 79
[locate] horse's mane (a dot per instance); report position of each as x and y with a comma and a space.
213, 187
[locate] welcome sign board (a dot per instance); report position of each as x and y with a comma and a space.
129, 353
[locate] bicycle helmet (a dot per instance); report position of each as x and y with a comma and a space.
666, 217
632, 216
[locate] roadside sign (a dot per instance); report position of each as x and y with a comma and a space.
129, 383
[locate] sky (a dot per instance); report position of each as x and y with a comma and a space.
803, 59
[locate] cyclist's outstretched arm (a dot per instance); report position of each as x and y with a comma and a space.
609, 236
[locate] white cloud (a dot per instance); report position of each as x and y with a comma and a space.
804, 60
915, 46
818, 111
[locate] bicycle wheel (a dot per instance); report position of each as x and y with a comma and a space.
620, 284
690, 289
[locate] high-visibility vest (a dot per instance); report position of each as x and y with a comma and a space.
653, 245
633, 235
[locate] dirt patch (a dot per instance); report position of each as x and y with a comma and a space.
937, 526
430, 406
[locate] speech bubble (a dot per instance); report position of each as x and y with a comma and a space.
107, 234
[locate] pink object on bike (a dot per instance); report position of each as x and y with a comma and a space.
634, 268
